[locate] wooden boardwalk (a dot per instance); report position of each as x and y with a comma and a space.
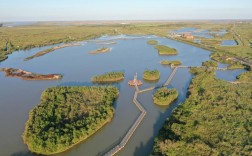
216, 68
140, 118
171, 76
133, 128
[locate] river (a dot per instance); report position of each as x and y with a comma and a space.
131, 54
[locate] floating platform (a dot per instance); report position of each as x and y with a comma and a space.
135, 81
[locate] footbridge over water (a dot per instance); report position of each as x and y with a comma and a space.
133, 128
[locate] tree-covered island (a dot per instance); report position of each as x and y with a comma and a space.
66, 116
164, 96
165, 50
151, 75
108, 77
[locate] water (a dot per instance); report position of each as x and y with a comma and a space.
228, 75
16, 24
228, 43
131, 54
200, 32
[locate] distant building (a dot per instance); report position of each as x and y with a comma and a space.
187, 36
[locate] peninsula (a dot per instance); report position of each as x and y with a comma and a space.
46, 51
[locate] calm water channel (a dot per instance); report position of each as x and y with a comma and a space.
131, 54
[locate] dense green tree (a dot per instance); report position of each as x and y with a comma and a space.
214, 120
66, 116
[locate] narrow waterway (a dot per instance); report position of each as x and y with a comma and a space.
131, 54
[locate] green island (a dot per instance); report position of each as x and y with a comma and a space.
210, 63
151, 75
164, 96
165, 50
214, 119
66, 116
100, 50
108, 77
174, 62
152, 42
46, 51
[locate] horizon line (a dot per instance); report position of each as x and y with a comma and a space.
135, 20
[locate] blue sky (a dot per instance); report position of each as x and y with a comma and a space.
61, 10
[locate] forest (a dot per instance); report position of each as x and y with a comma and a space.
67, 115
215, 119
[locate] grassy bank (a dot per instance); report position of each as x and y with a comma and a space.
67, 116
214, 119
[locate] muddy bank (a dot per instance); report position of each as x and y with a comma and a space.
25, 75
